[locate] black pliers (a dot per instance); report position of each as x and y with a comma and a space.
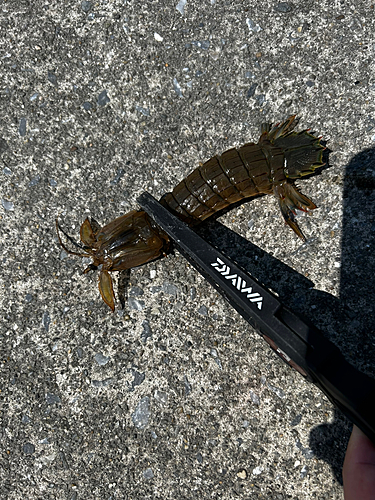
298, 343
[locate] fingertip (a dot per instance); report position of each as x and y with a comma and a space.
359, 467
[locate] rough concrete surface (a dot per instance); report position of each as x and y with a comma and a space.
174, 396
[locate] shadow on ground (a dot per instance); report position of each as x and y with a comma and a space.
348, 321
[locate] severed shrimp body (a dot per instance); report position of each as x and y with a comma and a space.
269, 167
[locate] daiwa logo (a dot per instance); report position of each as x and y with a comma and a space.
238, 282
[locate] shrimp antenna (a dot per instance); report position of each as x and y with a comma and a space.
58, 229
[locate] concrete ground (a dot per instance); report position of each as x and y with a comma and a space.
174, 396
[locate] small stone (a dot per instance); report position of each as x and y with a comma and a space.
136, 304
283, 7
161, 397
251, 90
86, 6
138, 378
254, 398
7, 205
148, 474
255, 28
3, 147
52, 399
101, 359
257, 470
52, 183
103, 98
187, 386
279, 392
46, 321
296, 420
177, 88
147, 332
103, 383
203, 310
218, 362
87, 105
170, 289
28, 448
261, 99
63, 255
52, 77
304, 471
22, 127
242, 474
181, 6
158, 37
141, 415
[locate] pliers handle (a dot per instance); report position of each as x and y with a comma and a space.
295, 340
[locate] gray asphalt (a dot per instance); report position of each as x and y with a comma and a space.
173, 396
